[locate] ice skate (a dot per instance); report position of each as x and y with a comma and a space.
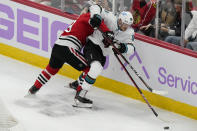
32, 91
81, 101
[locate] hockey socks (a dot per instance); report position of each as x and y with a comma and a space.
45, 76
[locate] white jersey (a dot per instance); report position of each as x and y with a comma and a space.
191, 29
122, 36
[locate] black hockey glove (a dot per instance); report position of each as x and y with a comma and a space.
95, 21
122, 48
108, 38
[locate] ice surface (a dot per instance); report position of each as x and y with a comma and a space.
51, 109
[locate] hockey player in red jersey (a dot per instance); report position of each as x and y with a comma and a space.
67, 50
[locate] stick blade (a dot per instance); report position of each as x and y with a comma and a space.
160, 92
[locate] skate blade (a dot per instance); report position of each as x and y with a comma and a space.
160, 92
81, 105
29, 95
77, 106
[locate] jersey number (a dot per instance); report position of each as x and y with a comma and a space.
70, 27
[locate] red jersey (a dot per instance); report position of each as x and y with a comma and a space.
81, 28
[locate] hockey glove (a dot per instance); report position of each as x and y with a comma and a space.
108, 38
122, 48
95, 21
127, 48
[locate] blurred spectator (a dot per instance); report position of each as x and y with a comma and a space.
167, 12
167, 15
136, 9
190, 41
127, 4
176, 26
143, 12
56, 3
190, 33
175, 29
70, 6
170, 21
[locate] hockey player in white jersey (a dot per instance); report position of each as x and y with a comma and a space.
97, 47
121, 31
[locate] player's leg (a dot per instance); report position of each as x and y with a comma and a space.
96, 60
92, 53
59, 56
78, 61
55, 63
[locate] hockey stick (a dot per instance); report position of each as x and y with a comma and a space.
159, 92
139, 90
147, 86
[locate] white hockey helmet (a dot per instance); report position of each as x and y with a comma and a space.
126, 17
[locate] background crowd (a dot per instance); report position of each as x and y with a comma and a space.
144, 14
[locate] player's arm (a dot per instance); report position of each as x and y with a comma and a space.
127, 48
97, 20
97, 17
127, 45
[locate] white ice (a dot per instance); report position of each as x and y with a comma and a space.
51, 109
